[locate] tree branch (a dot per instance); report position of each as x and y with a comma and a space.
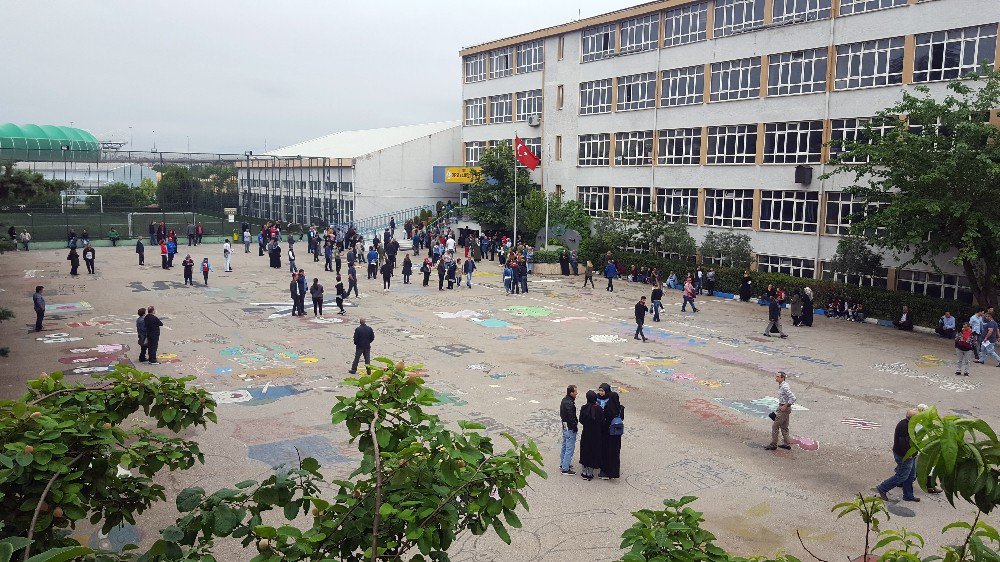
38, 508
74, 389
799, 535
972, 529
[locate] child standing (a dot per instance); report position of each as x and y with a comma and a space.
205, 268
188, 264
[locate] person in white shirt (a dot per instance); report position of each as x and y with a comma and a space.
227, 252
451, 245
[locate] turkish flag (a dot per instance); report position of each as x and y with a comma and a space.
524, 154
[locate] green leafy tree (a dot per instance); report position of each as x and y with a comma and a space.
148, 189
491, 194
660, 234
733, 249
19, 186
935, 173
63, 445
531, 214
855, 256
120, 195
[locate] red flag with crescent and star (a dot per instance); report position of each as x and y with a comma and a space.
524, 154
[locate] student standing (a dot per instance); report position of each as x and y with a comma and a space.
363, 338
205, 268
612, 426
38, 301
588, 275
152, 334
567, 412
407, 269
386, 276
141, 250
470, 266
140, 330
88, 258
171, 250
610, 271
328, 257
188, 265
163, 254
303, 289
291, 258
657, 297
74, 261
592, 438
316, 291
227, 253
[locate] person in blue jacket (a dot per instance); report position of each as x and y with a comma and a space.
610, 271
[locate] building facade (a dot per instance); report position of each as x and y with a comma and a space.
351, 175
719, 112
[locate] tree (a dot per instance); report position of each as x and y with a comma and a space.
491, 194
531, 214
933, 175
663, 235
120, 195
728, 248
147, 187
29, 188
855, 257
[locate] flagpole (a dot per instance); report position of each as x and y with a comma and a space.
513, 145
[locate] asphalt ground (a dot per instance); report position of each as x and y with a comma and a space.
697, 394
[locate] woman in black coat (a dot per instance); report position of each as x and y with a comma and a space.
74, 261
746, 288
407, 269
592, 439
564, 263
612, 450
807, 308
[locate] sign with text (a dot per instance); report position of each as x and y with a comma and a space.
454, 174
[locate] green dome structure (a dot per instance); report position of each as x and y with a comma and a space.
47, 143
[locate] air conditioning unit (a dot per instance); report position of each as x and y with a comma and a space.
534, 120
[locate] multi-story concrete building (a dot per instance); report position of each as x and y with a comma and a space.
351, 175
718, 112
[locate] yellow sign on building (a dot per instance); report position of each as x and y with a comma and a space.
459, 175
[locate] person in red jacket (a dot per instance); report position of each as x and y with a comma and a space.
163, 253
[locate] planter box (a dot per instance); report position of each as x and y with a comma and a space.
549, 269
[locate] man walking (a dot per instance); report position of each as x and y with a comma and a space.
352, 279
610, 271
990, 329
657, 298
39, 303
567, 412
774, 317
976, 323
906, 468
363, 338
152, 334
640, 317
190, 233
782, 413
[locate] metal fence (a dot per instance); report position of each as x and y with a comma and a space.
47, 225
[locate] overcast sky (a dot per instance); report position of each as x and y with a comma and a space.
232, 75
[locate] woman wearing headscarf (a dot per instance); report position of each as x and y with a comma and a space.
592, 438
807, 307
612, 449
746, 287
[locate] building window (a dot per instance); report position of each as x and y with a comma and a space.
796, 267
637, 91
799, 142
736, 79
798, 72
528, 103
500, 108
632, 198
678, 204
679, 146
729, 207
685, 25
737, 16
878, 281
683, 86
789, 211
944, 55
530, 56
475, 112
561, 48
797, 11
595, 150
842, 210
848, 7
473, 151
870, 63
936, 285
843, 132
559, 147
598, 42
595, 97
475, 68
594, 199
639, 34
732, 144
559, 96
634, 148
501, 62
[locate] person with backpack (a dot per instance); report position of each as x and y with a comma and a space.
592, 436
613, 426
205, 268
610, 271
188, 265
964, 344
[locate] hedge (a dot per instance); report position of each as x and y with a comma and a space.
878, 303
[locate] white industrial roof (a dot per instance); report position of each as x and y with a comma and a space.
352, 144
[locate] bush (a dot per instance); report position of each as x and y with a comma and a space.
546, 256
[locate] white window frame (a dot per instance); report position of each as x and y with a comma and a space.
535, 145
686, 24
475, 112
730, 208
473, 152
683, 86
634, 198
851, 129
678, 203
501, 62
594, 150
850, 72
639, 34
527, 103
839, 223
531, 56
636, 91
679, 147
501, 108
804, 268
598, 42
799, 11
797, 72
789, 211
595, 96
796, 142
850, 7
475, 68
947, 286
743, 137
738, 16
634, 148
595, 199
878, 281
931, 64
735, 80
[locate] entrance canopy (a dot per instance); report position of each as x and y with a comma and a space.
47, 143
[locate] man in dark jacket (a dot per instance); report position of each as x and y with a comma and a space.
906, 468
640, 317
152, 334
774, 317
303, 291
38, 301
363, 338
657, 298
567, 412
293, 292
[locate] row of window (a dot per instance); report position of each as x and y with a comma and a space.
940, 55
505, 61
797, 142
312, 185
296, 209
503, 108
474, 149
